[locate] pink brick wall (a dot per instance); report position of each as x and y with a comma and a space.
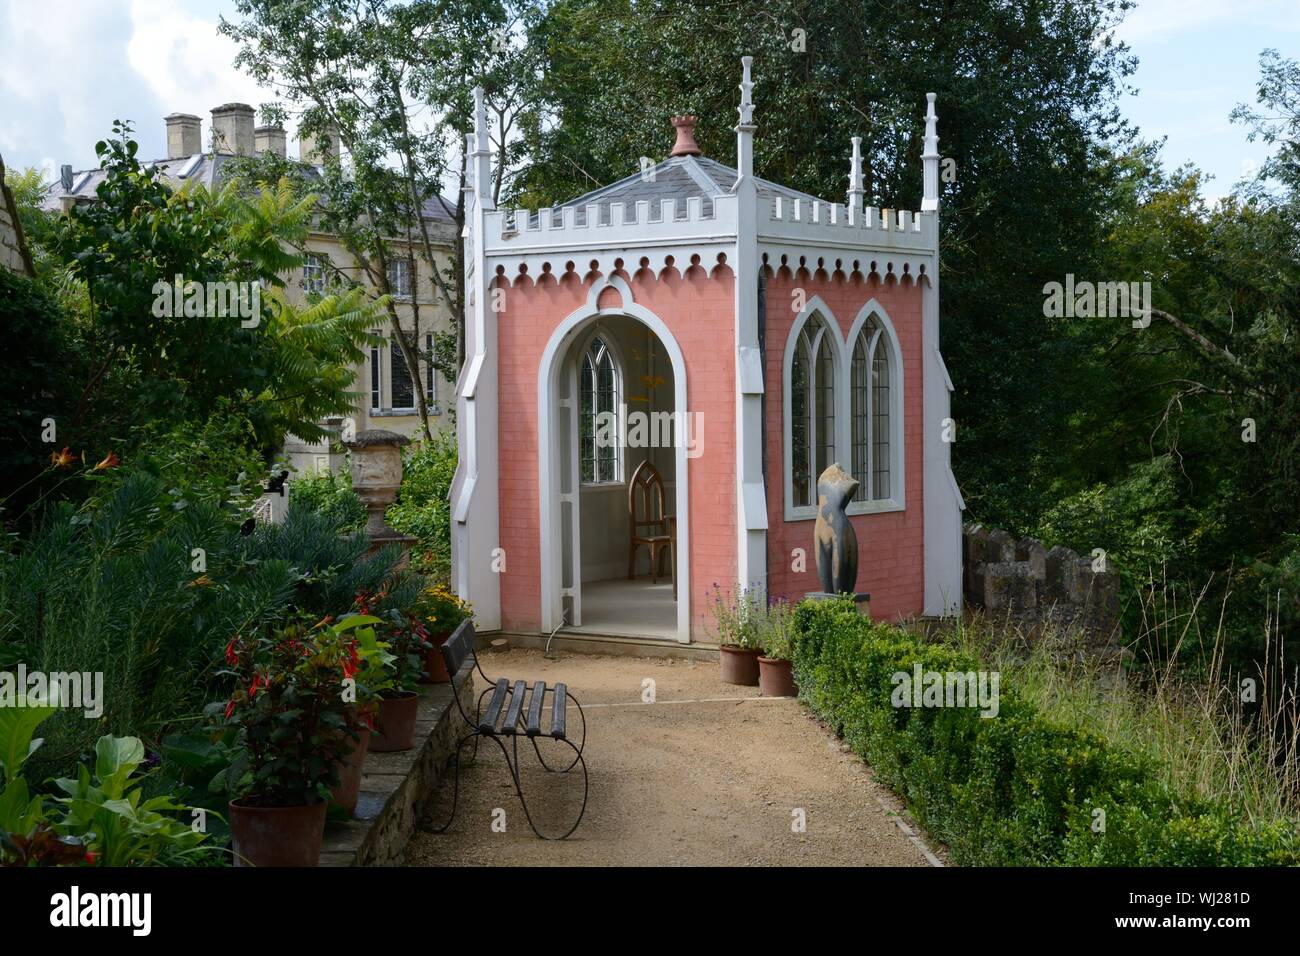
699, 310
890, 546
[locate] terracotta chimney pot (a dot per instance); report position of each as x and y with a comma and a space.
685, 145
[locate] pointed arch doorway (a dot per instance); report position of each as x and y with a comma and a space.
601, 367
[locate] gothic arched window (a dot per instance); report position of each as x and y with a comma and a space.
812, 409
599, 388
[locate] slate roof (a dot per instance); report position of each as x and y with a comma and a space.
204, 168
678, 178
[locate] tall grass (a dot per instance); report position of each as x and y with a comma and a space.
1210, 730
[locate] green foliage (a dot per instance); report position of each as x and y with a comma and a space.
423, 506
104, 819
1019, 788
20, 812
747, 619
361, 73
116, 375
329, 493
291, 706
40, 382
111, 587
110, 814
441, 609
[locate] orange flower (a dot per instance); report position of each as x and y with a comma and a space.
61, 459
110, 461
201, 581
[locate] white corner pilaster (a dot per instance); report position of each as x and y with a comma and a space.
475, 489
943, 503
751, 495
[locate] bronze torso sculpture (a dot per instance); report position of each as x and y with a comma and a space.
835, 539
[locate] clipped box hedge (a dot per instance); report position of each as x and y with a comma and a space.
1016, 789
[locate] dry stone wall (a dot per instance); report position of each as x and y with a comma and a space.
1042, 590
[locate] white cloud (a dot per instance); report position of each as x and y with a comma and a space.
187, 64
68, 68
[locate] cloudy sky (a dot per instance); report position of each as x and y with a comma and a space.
69, 67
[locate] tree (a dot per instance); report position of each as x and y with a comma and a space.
117, 369
389, 78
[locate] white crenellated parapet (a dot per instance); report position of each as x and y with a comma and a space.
535, 241
834, 225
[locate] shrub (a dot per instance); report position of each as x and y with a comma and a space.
423, 506
111, 587
1018, 788
330, 493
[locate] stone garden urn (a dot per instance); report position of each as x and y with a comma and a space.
376, 477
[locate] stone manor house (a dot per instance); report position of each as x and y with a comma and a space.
384, 375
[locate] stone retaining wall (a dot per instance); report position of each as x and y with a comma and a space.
1040, 589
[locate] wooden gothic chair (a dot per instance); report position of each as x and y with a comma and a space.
647, 523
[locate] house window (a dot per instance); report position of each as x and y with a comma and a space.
401, 389
812, 409
430, 373
598, 426
399, 278
392, 387
846, 396
313, 275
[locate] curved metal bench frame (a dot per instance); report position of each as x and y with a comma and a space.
454, 652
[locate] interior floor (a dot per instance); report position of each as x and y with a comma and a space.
623, 608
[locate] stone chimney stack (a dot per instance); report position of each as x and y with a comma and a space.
318, 149
232, 129
183, 138
269, 139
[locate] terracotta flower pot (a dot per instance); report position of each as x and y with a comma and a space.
776, 678
435, 668
276, 836
349, 785
739, 666
395, 725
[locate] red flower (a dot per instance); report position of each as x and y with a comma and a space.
230, 708
231, 657
258, 681
110, 461
353, 663
92, 857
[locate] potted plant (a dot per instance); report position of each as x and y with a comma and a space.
737, 631
442, 612
297, 723
775, 664
390, 671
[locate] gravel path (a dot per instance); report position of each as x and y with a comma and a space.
709, 774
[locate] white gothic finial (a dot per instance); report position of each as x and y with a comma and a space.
930, 159
746, 91
480, 119
931, 122
855, 182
